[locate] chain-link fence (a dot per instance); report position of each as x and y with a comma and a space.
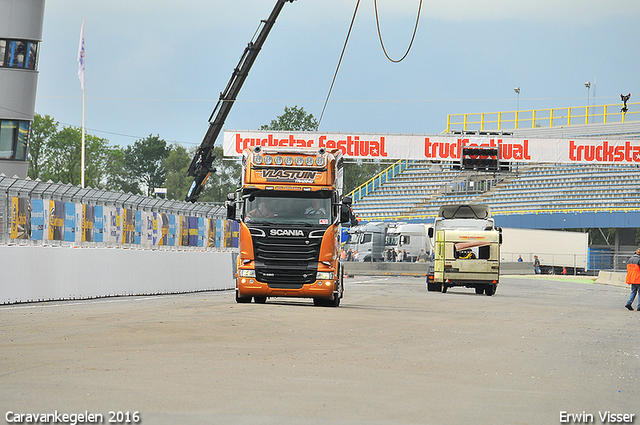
33, 212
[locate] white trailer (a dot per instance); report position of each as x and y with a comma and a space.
558, 251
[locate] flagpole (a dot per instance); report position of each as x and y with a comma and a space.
82, 156
81, 68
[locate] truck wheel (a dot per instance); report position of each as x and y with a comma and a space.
260, 300
490, 289
242, 300
444, 288
323, 302
480, 290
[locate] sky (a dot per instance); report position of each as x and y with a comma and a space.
158, 67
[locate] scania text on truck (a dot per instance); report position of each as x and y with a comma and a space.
467, 249
291, 211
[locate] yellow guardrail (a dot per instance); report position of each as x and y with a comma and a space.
539, 118
378, 180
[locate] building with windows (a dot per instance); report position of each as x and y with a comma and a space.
20, 36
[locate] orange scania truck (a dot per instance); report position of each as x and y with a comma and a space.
290, 209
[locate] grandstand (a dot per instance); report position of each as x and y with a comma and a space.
419, 190
529, 195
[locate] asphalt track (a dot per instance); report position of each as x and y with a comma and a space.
392, 353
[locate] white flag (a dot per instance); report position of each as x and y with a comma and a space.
81, 56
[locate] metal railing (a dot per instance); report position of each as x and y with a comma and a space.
380, 179
33, 212
539, 118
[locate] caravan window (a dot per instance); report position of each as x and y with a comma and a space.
476, 252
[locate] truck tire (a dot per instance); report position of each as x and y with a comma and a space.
444, 288
323, 302
242, 300
490, 290
260, 300
480, 290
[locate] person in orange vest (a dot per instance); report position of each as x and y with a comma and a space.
633, 278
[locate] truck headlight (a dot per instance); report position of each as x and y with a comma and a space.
324, 275
247, 273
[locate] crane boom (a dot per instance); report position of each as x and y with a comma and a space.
201, 164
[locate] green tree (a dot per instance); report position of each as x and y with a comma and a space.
293, 119
359, 172
144, 162
62, 160
120, 175
42, 129
226, 178
177, 163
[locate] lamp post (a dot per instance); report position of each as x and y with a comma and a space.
588, 86
517, 90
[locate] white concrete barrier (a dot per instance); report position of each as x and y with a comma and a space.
34, 273
612, 278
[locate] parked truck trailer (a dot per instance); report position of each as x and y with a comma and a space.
558, 251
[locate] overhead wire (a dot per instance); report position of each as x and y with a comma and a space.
344, 47
335, 75
415, 30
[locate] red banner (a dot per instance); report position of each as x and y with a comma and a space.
440, 147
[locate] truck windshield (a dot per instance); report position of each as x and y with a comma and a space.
282, 208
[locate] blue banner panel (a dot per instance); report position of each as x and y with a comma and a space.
98, 224
37, 219
201, 233
219, 231
138, 228
193, 231
69, 222
171, 239
235, 235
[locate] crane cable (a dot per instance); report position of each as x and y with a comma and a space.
415, 29
355, 12
339, 62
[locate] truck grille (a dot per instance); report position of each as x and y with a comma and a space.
286, 262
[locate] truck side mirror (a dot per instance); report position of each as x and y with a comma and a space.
231, 207
345, 214
430, 232
345, 210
